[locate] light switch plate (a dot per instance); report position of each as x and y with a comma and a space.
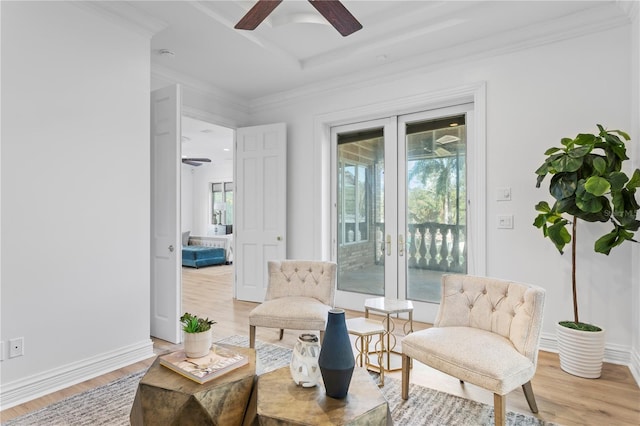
505, 221
503, 194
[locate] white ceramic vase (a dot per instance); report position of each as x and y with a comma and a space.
197, 345
304, 367
581, 352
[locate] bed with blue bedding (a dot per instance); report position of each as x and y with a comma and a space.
197, 256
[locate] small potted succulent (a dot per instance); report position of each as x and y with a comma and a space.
197, 335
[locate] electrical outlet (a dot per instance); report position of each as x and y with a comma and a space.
16, 347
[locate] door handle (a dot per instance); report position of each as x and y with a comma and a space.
400, 245
171, 248
388, 245
279, 238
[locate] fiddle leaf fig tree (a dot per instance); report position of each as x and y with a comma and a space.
587, 182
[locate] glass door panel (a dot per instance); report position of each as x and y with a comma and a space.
360, 211
435, 212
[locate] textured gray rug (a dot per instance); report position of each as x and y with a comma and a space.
111, 404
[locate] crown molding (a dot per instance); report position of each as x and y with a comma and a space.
630, 8
584, 23
125, 15
229, 100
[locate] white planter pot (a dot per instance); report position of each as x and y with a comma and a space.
197, 345
581, 352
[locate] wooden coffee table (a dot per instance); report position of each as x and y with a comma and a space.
164, 397
281, 402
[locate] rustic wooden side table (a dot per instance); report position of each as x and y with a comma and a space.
390, 307
281, 402
164, 397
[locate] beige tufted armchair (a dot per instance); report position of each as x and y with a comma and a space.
300, 294
486, 333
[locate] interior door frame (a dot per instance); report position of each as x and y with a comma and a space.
476, 186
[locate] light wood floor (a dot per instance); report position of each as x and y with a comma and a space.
614, 399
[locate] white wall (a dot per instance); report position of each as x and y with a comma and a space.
534, 98
75, 196
635, 155
186, 198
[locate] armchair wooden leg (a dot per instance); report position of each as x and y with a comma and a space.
281, 333
499, 409
406, 368
321, 336
531, 399
252, 336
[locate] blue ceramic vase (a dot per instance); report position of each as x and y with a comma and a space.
336, 358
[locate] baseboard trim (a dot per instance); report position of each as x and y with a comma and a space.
614, 354
634, 366
37, 385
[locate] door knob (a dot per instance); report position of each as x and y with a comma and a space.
171, 248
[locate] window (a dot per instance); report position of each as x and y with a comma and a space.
222, 203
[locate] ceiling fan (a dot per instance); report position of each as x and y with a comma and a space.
197, 162
333, 11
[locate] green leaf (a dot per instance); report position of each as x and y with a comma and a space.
589, 205
597, 186
566, 163
566, 142
543, 206
619, 151
568, 205
599, 164
625, 135
552, 150
585, 139
579, 152
634, 182
559, 234
617, 180
563, 185
605, 243
540, 220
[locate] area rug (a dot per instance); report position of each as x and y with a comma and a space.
110, 404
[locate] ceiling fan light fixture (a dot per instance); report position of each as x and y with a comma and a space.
298, 18
166, 52
332, 10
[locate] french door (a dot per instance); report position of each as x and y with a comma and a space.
400, 206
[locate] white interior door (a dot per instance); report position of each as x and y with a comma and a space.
261, 206
166, 248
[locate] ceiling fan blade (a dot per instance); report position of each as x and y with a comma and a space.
191, 163
257, 14
337, 15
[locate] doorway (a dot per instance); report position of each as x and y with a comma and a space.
207, 170
400, 196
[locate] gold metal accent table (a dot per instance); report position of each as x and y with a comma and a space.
364, 329
282, 402
164, 397
390, 307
